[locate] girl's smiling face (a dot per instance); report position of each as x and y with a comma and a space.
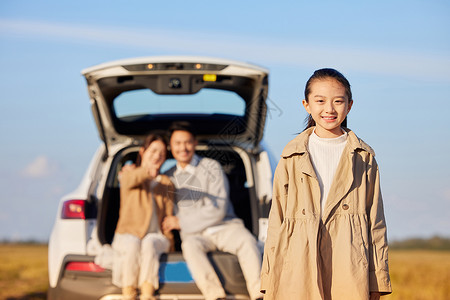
328, 105
154, 155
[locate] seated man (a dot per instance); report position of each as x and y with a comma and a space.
205, 217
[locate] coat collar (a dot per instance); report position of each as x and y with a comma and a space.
299, 145
190, 168
342, 183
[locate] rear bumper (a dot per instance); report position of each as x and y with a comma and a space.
176, 282
82, 287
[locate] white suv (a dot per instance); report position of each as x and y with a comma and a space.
225, 101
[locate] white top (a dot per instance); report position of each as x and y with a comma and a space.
325, 156
202, 196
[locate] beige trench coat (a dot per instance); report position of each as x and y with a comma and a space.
344, 254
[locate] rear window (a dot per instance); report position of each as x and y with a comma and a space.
206, 101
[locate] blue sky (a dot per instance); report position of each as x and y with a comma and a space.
396, 55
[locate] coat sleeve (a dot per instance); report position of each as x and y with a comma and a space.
133, 178
379, 280
276, 217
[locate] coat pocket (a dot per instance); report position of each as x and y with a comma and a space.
294, 241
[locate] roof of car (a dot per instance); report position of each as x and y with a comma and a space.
161, 59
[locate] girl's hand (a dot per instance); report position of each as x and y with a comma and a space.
153, 171
375, 296
126, 168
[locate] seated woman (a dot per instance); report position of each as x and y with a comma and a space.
146, 197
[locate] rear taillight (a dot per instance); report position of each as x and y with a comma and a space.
84, 266
74, 209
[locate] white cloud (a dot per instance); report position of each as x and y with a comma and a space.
401, 63
40, 167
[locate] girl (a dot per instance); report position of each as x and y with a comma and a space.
327, 233
146, 198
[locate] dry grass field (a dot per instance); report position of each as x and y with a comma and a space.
23, 271
416, 274
419, 275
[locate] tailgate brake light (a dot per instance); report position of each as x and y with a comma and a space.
74, 209
85, 266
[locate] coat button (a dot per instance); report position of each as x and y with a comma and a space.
303, 211
345, 206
